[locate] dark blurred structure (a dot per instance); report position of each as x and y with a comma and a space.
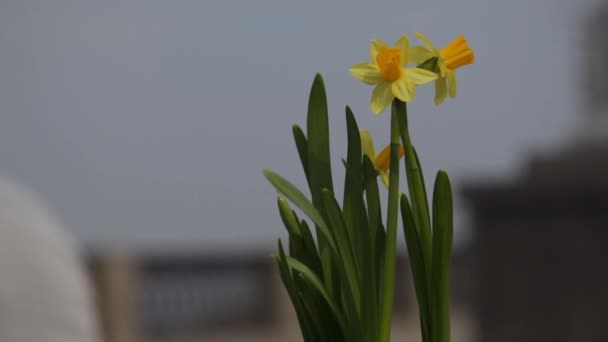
161, 297
595, 52
158, 298
197, 294
541, 240
542, 253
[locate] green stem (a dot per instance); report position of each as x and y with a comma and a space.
388, 280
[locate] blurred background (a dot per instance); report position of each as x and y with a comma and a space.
143, 127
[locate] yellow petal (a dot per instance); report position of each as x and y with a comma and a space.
384, 178
419, 54
458, 53
420, 76
382, 162
366, 73
383, 159
427, 43
401, 90
375, 45
441, 90
367, 144
403, 44
452, 84
411, 87
381, 97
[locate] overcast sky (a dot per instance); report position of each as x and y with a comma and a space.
147, 123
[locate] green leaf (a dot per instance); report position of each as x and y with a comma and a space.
353, 189
423, 185
302, 146
317, 311
319, 164
417, 190
297, 197
317, 125
417, 262
442, 252
355, 215
345, 249
372, 196
288, 217
309, 244
315, 282
380, 253
376, 229
306, 326
301, 242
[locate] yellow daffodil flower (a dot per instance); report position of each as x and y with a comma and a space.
387, 70
381, 160
450, 58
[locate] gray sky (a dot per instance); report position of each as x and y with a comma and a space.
147, 123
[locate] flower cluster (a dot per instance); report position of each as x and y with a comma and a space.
341, 280
388, 69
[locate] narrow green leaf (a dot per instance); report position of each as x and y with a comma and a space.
297, 197
380, 253
442, 253
417, 190
301, 242
352, 316
309, 244
291, 223
417, 263
287, 216
370, 259
306, 327
314, 281
319, 165
355, 215
323, 234
353, 157
376, 229
302, 146
317, 125
317, 311
372, 196
345, 249
423, 185
353, 206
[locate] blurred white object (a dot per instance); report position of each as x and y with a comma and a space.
44, 293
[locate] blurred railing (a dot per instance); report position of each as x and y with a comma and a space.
169, 298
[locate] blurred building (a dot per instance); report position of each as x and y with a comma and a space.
541, 251
541, 240
163, 298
